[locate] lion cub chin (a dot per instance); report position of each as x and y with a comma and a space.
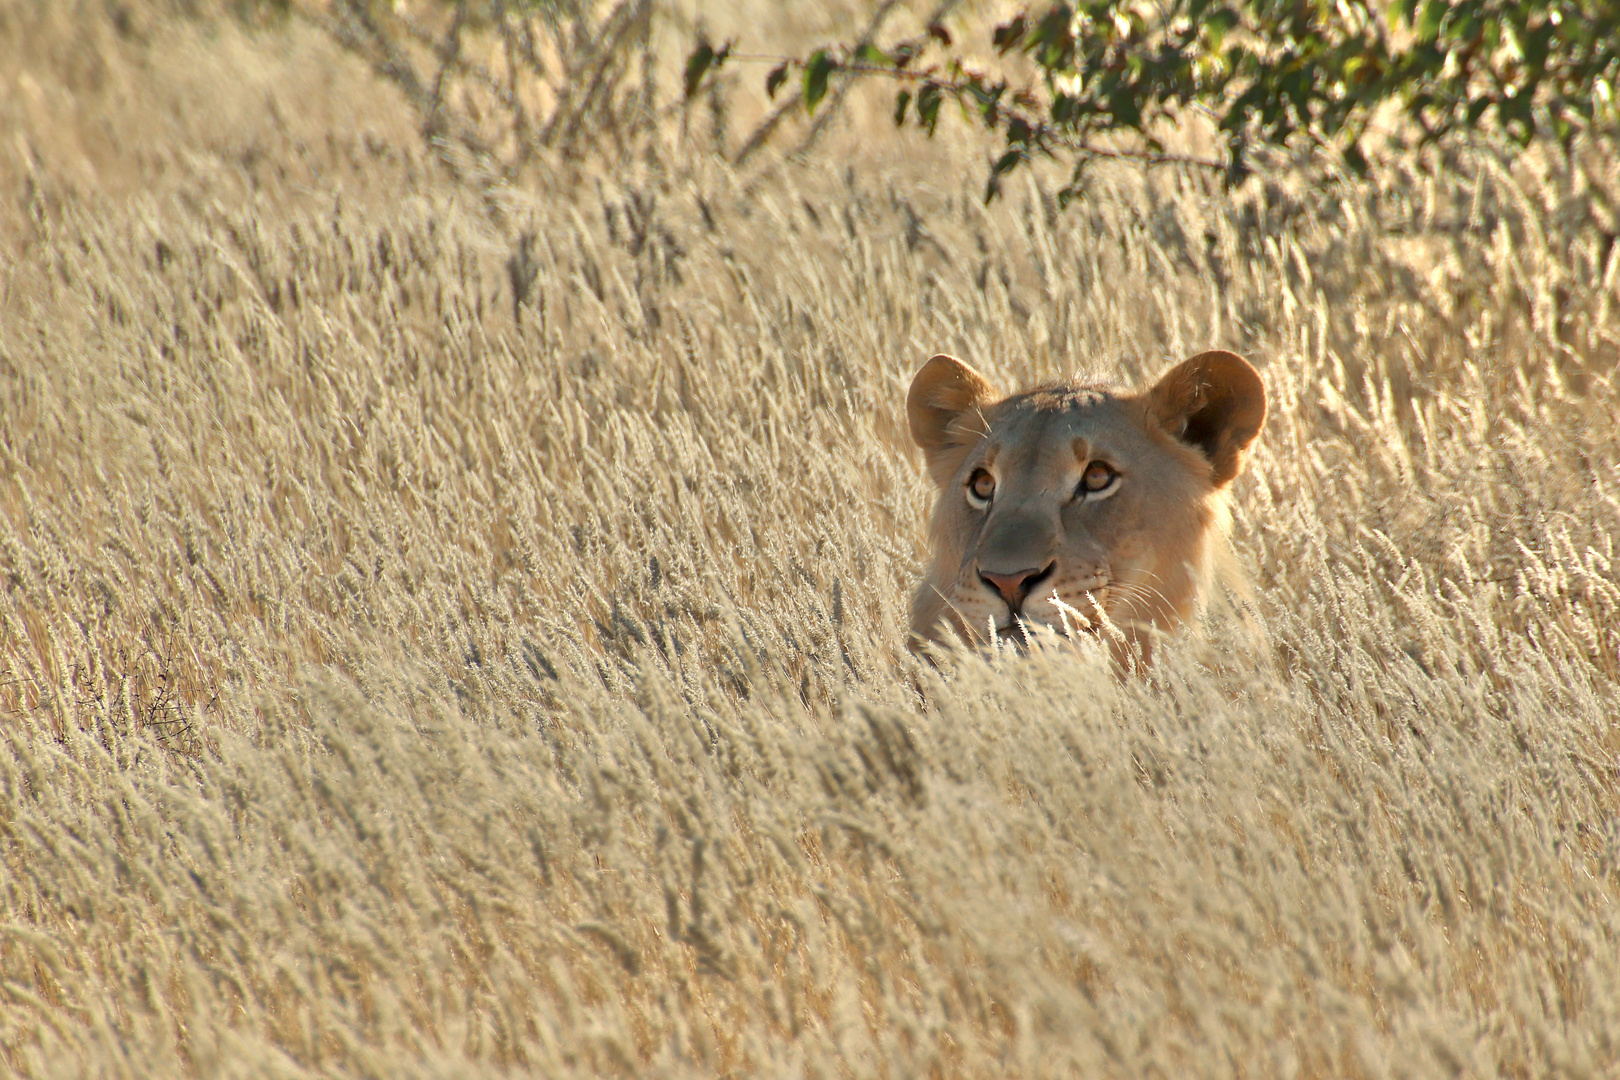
1077, 507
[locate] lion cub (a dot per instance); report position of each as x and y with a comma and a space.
1066, 501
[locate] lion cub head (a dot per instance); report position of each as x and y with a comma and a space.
1066, 501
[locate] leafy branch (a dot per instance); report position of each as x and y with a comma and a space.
1110, 76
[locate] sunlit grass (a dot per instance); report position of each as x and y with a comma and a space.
400, 681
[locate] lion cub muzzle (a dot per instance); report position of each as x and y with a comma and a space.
1015, 587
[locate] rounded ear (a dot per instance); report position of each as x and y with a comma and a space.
1215, 402
943, 408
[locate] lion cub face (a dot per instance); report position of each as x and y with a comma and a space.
1063, 500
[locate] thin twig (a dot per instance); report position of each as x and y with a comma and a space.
356, 30
1041, 132
821, 122
764, 130
766, 127
635, 14
624, 18
1147, 157
453, 56
448, 55
520, 116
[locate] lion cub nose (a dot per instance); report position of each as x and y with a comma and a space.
1016, 586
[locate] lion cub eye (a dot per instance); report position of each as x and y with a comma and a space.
981, 487
1098, 477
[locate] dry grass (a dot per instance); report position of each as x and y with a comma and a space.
396, 680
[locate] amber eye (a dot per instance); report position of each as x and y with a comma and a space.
1099, 476
981, 486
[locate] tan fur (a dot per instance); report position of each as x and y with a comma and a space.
1138, 553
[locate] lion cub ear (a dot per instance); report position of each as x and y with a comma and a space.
1215, 402
943, 407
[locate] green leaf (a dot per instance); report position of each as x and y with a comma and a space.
872, 55
1429, 17
1564, 131
1007, 162
1009, 34
1237, 164
987, 101
697, 65
816, 70
901, 100
928, 99
774, 81
1127, 110
1467, 28
1216, 26
1050, 43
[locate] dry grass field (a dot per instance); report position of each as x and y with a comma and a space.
407, 675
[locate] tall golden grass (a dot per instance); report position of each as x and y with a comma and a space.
401, 677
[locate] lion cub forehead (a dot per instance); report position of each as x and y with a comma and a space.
1060, 398
1053, 424
1061, 411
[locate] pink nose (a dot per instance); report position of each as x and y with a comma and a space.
1016, 586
